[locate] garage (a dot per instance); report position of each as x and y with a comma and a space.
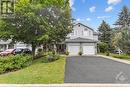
88, 50
86, 46
73, 49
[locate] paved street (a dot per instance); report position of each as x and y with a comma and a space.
94, 69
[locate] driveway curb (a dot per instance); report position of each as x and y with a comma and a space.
115, 59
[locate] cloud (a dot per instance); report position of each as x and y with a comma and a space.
114, 2
78, 19
88, 19
103, 17
92, 9
109, 9
71, 2
71, 5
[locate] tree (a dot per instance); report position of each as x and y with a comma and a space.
121, 37
116, 38
31, 26
103, 47
59, 24
105, 33
125, 40
124, 17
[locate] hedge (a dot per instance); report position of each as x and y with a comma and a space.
12, 63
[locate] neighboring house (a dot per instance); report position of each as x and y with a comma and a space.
8, 45
5, 45
83, 39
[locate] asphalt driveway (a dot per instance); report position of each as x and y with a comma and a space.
92, 69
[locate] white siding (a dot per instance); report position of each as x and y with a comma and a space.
83, 32
95, 37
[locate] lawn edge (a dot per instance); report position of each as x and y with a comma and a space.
115, 59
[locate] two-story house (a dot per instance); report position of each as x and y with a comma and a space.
83, 39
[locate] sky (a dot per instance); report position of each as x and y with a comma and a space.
92, 12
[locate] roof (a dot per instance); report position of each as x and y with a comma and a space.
4, 42
79, 40
95, 33
85, 26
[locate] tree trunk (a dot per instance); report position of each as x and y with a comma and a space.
55, 48
33, 49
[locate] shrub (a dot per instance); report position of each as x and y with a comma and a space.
107, 53
103, 47
50, 57
67, 53
12, 63
53, 52
39, 50
80, 53
39, 54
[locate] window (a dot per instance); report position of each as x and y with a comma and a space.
85, 29
89, 33
7, 7
79, 25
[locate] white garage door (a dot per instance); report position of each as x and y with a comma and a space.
88, 50
73, 49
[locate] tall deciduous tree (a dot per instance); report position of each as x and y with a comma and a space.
124, 17
31, 26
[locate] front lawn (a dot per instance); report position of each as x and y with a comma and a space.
37, 73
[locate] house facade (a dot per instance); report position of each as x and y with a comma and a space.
82, 39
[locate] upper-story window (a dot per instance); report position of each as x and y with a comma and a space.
89, 33
79, 25
85, 29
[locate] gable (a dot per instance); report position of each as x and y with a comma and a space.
83, 26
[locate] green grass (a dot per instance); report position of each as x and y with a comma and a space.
121, 56
37, 73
